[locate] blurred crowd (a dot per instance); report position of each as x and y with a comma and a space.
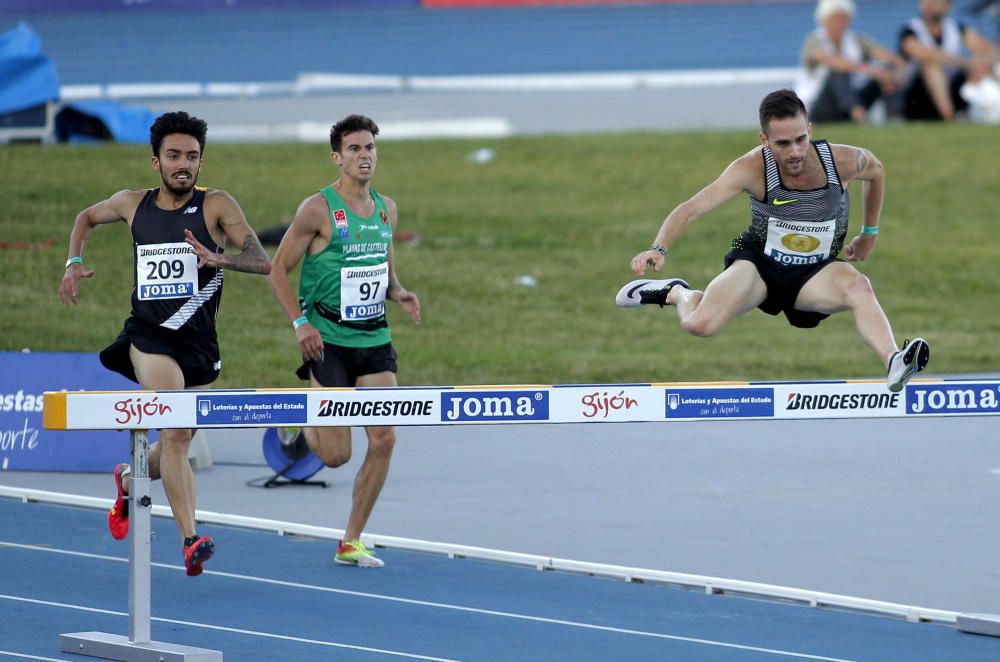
939, 68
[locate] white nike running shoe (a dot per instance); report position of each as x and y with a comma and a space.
644, 291
907, 362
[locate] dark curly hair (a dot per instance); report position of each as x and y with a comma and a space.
350, 124
177, 122
780, 105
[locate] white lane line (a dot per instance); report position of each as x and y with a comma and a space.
220, 628
460, 608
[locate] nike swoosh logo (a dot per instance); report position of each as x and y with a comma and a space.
778, 203
632, 291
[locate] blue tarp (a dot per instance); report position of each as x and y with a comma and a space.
89, 121
27, 77
28, 80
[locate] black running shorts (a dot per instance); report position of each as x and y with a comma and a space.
196, 354
341, 366
783, 283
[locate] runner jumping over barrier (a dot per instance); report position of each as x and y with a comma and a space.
787, 262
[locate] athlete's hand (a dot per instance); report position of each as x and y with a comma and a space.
646, 259
70, 282
205, 256
409, 302
860, 248
310, 342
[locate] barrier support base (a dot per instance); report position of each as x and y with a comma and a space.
988, 624
118, 647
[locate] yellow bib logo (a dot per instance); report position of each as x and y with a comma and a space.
800, 243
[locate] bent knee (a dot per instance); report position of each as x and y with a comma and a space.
381, 440
175, 439
333, 458
702, 327
858, 287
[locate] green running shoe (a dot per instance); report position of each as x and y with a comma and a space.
354, 552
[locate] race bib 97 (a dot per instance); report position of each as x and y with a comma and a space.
166, 271
792, 244
362, 292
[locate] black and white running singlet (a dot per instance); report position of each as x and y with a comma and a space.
800, 227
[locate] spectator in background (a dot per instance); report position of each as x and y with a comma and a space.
936, 46
844, 73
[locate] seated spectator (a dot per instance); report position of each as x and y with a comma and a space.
844, 73
937, 46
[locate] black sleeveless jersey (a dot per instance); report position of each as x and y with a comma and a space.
170, 290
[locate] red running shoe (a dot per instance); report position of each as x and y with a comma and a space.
197, 553
118, 515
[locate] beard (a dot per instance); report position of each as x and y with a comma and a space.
179, 189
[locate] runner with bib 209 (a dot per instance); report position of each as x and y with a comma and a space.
169, 341
788, 260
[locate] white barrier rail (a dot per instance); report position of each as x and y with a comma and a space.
464, 405
140, 411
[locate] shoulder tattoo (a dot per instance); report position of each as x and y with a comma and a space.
861, 159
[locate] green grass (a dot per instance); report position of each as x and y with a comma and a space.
570, 211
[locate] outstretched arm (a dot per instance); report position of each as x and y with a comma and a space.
407, 300
224, 215
118, 207
737, 177
859, 163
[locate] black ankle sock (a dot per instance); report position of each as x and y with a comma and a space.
190, 541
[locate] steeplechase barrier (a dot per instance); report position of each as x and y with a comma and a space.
139, 411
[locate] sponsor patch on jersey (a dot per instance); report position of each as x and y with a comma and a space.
792, 260
340, 218
800, 243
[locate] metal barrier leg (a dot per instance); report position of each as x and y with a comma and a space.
138, 646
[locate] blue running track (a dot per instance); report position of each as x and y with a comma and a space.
266, 597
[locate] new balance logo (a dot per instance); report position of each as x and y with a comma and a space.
191, 210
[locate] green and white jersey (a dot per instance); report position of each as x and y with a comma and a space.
344, 285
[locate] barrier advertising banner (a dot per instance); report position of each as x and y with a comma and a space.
24, 444
477, 405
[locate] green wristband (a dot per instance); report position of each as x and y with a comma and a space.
76, 259
300, 321
869, 229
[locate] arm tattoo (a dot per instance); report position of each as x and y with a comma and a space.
252, 259
861, 160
